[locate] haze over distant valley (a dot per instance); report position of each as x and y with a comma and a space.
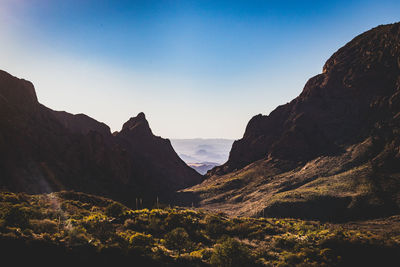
202, 154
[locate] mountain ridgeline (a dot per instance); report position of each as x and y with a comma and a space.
43, 150
331, 153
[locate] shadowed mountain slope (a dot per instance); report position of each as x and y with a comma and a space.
331, 153
42, 150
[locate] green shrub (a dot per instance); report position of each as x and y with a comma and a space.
98, 226
77, 235
246, 230
293, 259
16, 216
115, 210
231, 253
284, 243
141, 244
178, 239
214, 226
130, 224
204, 254
141, 240
27, 232
9, 197
155, 225
43, 226
173, 221
327, 254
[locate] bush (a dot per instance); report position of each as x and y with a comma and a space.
231, 253
98, 226
204, 254
173, 221
178, 239
155, 225
130, 224
76, 236
214, 226
9, 197
284, 243
115, 210
16, 216
43, 226
141, 243
141, 240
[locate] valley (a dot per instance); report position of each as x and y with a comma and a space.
314, 183
202, 154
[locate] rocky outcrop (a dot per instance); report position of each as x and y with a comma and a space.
345, 122
42, 150
358, 89
158, 159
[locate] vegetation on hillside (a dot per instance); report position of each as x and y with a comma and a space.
70, 226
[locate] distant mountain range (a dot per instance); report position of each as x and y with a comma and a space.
203, 167
203, 154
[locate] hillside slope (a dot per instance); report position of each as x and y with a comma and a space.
75, 228
42, 150
331, 153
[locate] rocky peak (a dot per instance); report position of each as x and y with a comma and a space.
332, 153
43, 150
137, 125
374, 49
17, 93
336, 108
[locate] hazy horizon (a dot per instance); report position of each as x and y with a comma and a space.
197, 69
201, 150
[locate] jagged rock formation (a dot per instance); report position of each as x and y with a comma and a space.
332, 153
42, 150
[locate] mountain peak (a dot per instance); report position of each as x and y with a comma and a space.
307, 157
138, 123
338, 107
141, 116
38, 144
17, 93
370, 51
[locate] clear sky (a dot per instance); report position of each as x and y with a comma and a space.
196, 68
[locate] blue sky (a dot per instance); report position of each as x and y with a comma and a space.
196, 68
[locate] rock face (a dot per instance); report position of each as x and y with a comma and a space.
42, 150
345, 122
81, 123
